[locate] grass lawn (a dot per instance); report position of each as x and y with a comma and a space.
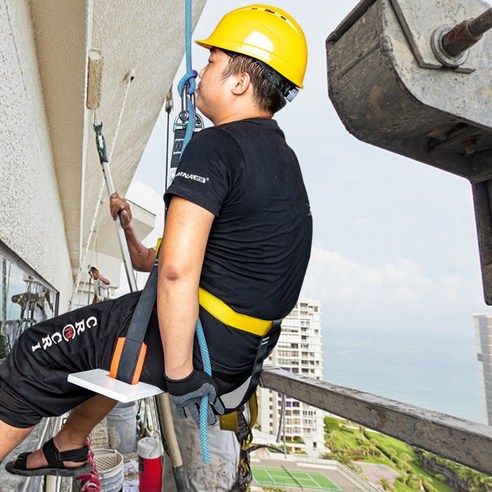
400, 448
366, 446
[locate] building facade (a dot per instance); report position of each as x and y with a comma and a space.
300, 351
483, 337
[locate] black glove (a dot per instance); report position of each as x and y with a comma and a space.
187, 394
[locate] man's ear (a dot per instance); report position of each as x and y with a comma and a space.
241, 84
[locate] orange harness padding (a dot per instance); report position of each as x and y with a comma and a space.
116, 359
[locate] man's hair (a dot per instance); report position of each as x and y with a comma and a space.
266, 95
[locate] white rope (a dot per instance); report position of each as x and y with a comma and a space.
92, 229
3, 326
128, 82
100, 200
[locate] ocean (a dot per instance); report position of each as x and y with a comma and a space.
436, 370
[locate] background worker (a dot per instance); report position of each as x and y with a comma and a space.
142, 257
101, 283
238, 232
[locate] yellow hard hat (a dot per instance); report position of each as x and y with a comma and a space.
265, 33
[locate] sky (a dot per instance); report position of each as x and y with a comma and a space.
395, 244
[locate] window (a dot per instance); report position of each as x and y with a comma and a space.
25, 299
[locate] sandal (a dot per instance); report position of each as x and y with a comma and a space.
55, 461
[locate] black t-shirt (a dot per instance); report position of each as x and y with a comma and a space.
260, 241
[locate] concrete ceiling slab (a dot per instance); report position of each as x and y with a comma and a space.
142, 37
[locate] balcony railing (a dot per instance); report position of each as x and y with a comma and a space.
466, 442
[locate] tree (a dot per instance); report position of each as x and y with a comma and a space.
386, 484
404, 466
342, 455
373, 449
331, 441
392, 455
427, 486
365, 448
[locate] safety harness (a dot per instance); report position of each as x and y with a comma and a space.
129, 354
129, 365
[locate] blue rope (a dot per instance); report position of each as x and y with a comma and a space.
186, 88
187, 82
207, 368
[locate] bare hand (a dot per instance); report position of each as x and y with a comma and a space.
120, 206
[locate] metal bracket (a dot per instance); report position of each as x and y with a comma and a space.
420, 20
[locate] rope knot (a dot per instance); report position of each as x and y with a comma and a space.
188, 82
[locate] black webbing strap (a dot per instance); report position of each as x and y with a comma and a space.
143, 310
179, 135
180, 125
261, 354
137, 329
259, 359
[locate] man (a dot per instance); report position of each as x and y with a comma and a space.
101, 291
142, 258
237, 237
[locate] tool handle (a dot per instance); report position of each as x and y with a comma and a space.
166, 421
125, 252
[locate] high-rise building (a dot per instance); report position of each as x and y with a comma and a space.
300, 351
483, 334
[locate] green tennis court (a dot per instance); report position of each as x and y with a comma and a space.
290, 478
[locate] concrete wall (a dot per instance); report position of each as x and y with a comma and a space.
31, 219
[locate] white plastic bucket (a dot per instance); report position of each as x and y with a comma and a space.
109, 463
122, 427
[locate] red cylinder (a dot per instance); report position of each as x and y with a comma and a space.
149, 465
